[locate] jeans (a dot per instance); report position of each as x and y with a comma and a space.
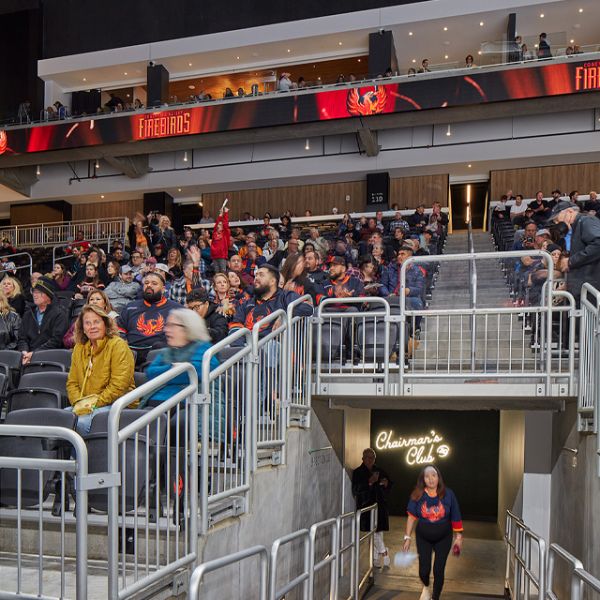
84, 422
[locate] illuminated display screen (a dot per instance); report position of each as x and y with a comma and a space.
412, 94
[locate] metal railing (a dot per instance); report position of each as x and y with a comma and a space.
33, 575
53, 234
29, 265
531, 566
306, 543
269, 387
226, 428
588, 400
162, 444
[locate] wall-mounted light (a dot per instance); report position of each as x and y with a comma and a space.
38, 171
307, 144
449, 131
185, 156
574, 452
97, 165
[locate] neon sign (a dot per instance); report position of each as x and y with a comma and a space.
587, 77
420, 450
165, 124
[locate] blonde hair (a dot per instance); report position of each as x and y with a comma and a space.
16, 284
5, 307
105, 299
79, 334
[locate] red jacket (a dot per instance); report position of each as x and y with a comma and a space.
219, 247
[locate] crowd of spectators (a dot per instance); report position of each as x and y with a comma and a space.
569, 229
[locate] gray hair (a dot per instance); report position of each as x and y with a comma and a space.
193, 324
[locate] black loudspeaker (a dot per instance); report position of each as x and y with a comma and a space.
378, 191
382, 53
85, 103
158, 201
158, 85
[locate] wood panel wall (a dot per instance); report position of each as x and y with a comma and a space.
102, 210
582, 177
31, 213
320, 199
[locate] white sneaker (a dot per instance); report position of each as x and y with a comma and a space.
386, 559
425, 594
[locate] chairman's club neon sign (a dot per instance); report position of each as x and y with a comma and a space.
420, 450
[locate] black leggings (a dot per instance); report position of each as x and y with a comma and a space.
433, 537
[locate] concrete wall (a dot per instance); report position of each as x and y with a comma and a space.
511, 463
283, 499
575, 493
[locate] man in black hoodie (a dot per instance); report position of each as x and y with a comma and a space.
198, 301
45, 324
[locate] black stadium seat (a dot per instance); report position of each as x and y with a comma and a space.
52, 380
57, 355
41, 366
33, 398
25, 447
12, 359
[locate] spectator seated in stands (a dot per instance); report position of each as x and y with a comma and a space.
320, 244
369, 276
190, 278
592, 206
517, 211
101, 367
525, 238
137, 262
314, 270
235, 264
438, 218
398, 223
540, 208
143, 321
187, 339
415, 279
199, 301
294, 278
220, 295
187, 240
252, 262
7, 267
539, 274
174, 259
419, 220
221, 240
7, 248
268, 297
123, 290
13, 291
45, 324
60, 276
90, 282
341, 284
96, 298
10, 323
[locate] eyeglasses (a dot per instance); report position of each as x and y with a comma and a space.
194, 306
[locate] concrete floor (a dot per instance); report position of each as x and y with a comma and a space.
478, 572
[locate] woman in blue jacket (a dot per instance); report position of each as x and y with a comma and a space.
188, 339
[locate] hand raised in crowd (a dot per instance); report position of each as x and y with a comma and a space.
194, 254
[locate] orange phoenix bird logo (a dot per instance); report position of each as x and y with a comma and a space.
367, 103
150, 327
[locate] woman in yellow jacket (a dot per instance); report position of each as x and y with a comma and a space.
101, 367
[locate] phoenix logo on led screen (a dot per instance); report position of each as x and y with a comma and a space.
420, 449
587, 76
159, 125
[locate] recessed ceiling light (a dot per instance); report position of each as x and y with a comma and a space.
125, 73
445, 29
414, 60
581, 10
289, 50
102, 196
237, 58
191, 87
189, 64
340, 44
469, 165
446, 56
410, 33
479, 52
480, 23
542, 15
179, 189
571, 41
359, 60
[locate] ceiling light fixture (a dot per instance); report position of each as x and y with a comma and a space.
445, 29
178, 189
189, 64
102, 196
84, 79
307, 145
359, 60
479, 52
125, 73
448, 131
480, 23
414, 60
289, 49
446, 56
410, 33
571, 41
97, 165
237, 58
581, 10
38, 171
542, 15
185, 156
340, 44
469, 165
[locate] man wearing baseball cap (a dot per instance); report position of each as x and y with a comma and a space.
583, 244
123, 290
341, 284
44, 325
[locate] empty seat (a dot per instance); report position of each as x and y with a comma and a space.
12, 359
134, 484
26, 447
41, 366
370, 336
50, 380
139, 378
56, 355
227, 352
33, 398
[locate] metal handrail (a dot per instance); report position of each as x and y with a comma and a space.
30, 265
302, 578
556, 551
230, 559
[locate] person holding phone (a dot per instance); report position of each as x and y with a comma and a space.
371, 485
434, 509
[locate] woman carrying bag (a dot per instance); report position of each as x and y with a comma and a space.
101, 367
434, 509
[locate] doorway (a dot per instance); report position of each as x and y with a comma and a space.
478, 197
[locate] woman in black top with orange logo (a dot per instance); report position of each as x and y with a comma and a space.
434, 509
